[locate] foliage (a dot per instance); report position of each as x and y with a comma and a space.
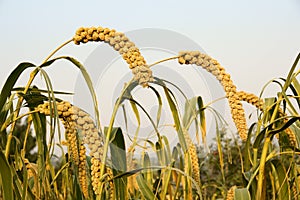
217, 183
265, 166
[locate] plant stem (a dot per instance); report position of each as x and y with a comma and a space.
23, 151
20, 101
164, 60
262, 167
17, 111
57, 49
107, 140
265, 151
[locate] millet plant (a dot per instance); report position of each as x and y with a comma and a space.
99, 165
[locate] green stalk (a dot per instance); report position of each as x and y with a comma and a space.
17, 111
254, 157
107, 140
20, 101
262, 167
26, 136
164, 60
265, 152
58, 48
289, 77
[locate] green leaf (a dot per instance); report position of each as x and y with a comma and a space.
282, 179
175, 114
34, 89
39, 122
166, 181
129, 173
8, 86
135, 111
144, 110
11, 81
202, 118
144, 188
146, 163
271, 131
190, 112
220, 151
167, 150
246, 151
295, 87
159, 153
4, 119
87, 78
268, 108
158, 115
289, 77
119, 164
259, 138
285, 125
17, 185
242, 194
6, 178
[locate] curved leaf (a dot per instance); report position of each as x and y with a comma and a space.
144, 188
119, 164
6, 178
11, 81
242, 194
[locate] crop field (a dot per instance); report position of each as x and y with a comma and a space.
95, 161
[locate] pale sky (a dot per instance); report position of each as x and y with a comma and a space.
254, 40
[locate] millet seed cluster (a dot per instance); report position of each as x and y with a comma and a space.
123, 45
258, 103
82, 170
251, 99
80, 129
230, 193
192, 151
212, 66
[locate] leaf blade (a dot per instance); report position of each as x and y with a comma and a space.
6, 177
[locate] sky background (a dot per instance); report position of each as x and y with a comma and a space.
254, 40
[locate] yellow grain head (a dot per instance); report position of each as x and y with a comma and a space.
95, 174
195, 165
230, 193
72, 143
192, 151
212, 66
111, 184
251, 99
75, 119
89, 133
123, 45
83, 171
